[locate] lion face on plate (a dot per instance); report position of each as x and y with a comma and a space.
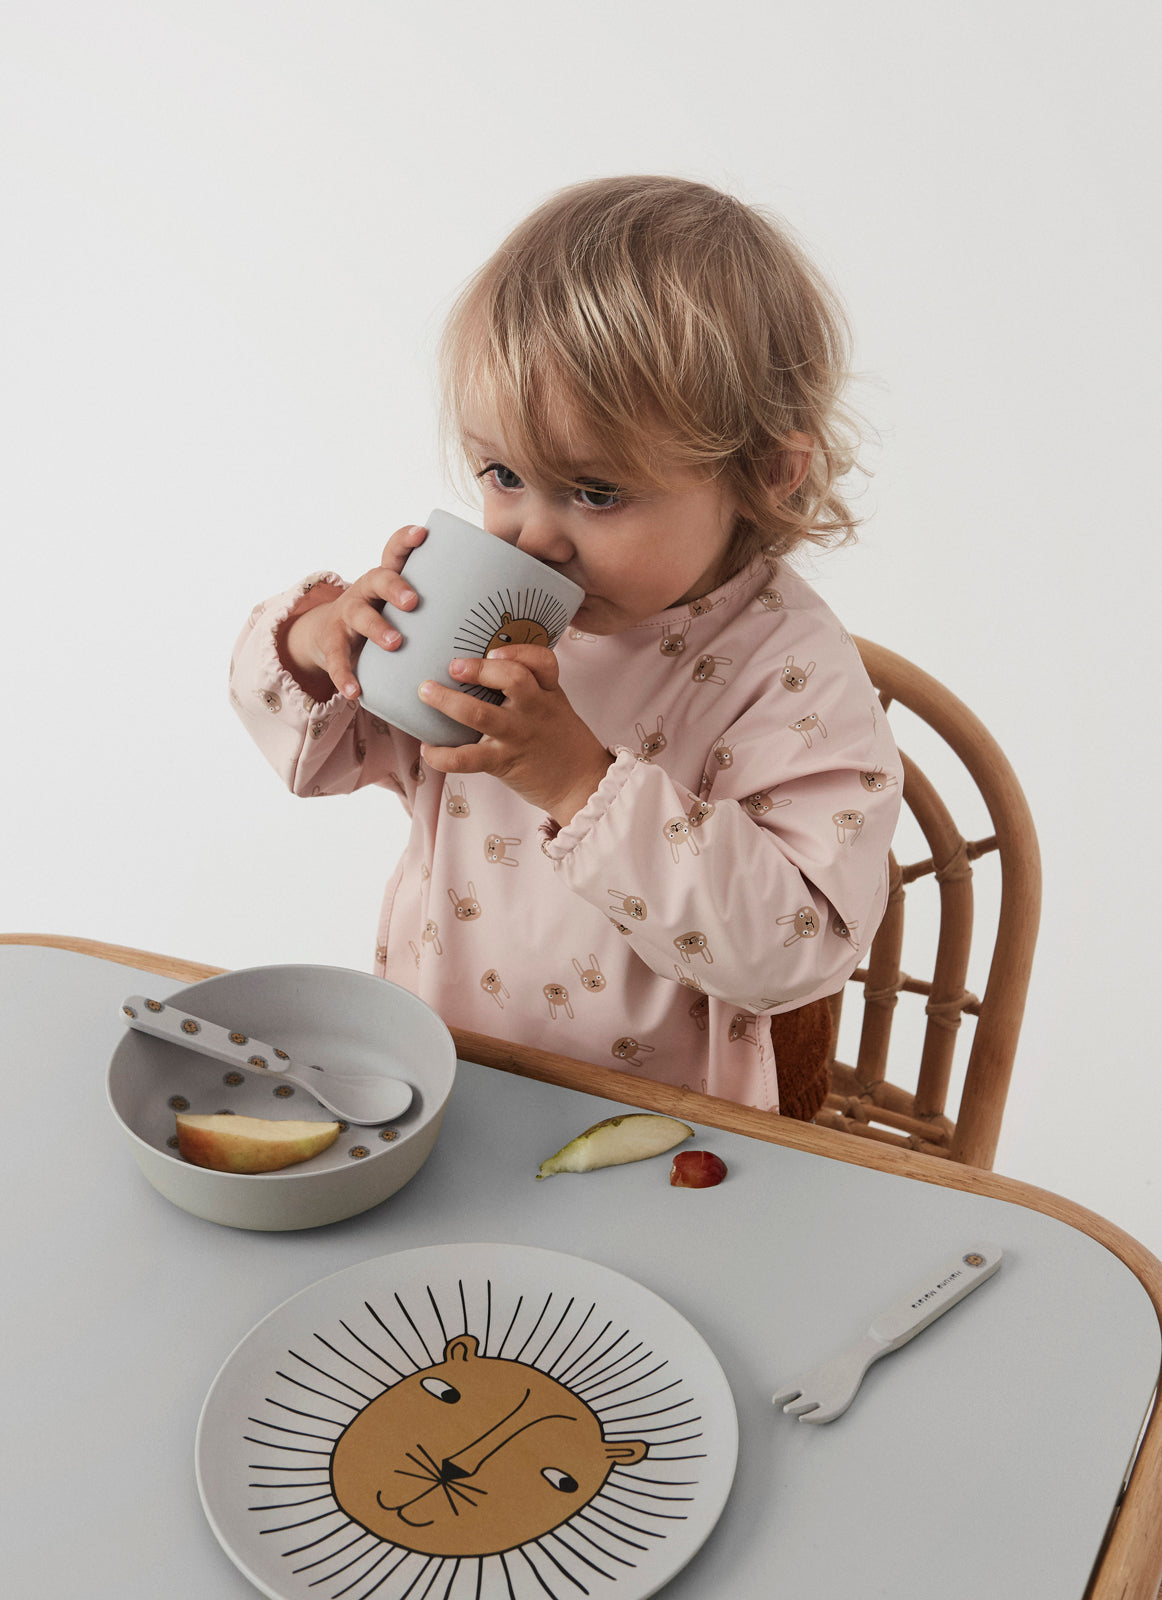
473, 1456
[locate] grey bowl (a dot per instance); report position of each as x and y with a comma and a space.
327, 1014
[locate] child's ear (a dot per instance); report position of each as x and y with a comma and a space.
790, 464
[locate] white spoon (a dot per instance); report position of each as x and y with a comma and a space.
365, 1099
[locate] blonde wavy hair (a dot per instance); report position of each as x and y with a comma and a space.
672, 321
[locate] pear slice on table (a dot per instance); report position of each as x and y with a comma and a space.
229, 1143
632, 1137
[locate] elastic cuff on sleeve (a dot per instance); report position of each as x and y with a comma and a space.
558, 846
280, 612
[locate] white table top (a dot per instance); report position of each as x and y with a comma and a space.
983, 1459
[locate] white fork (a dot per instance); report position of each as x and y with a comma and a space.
827, 1391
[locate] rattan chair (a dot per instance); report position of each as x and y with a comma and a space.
861, 1099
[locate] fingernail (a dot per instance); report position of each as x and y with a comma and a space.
426, 689
407, 598
350, 690
457, 666
391, 638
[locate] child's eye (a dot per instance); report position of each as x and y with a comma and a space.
599, 496
503, 477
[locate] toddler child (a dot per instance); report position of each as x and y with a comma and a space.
676, 826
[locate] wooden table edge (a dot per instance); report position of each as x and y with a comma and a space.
1130, 1565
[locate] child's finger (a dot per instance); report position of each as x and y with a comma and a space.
337, 665
384, 586
401, 544
535, 658
456, 758
508, 677
362, 620
479, 715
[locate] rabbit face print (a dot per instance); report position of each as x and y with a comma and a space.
679, 831
496, 851
741, 1029
466, 907
795, 678
651, 744
592, 977
804, 922
627, 905
759, 804
630, 1049
456, 800
877, 780
693, 943
848, 825
706, 668
809, 726
492, 983
558, 997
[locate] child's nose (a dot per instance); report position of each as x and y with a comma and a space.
542, 535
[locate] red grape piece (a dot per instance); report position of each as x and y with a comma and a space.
697, 1169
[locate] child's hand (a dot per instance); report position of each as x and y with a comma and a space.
535, 742
317, 647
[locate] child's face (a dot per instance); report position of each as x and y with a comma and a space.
634, 550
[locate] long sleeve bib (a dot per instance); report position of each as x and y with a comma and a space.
731, 864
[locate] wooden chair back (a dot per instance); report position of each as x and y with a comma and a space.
861, 1099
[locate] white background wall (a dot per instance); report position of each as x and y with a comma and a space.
231, 229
